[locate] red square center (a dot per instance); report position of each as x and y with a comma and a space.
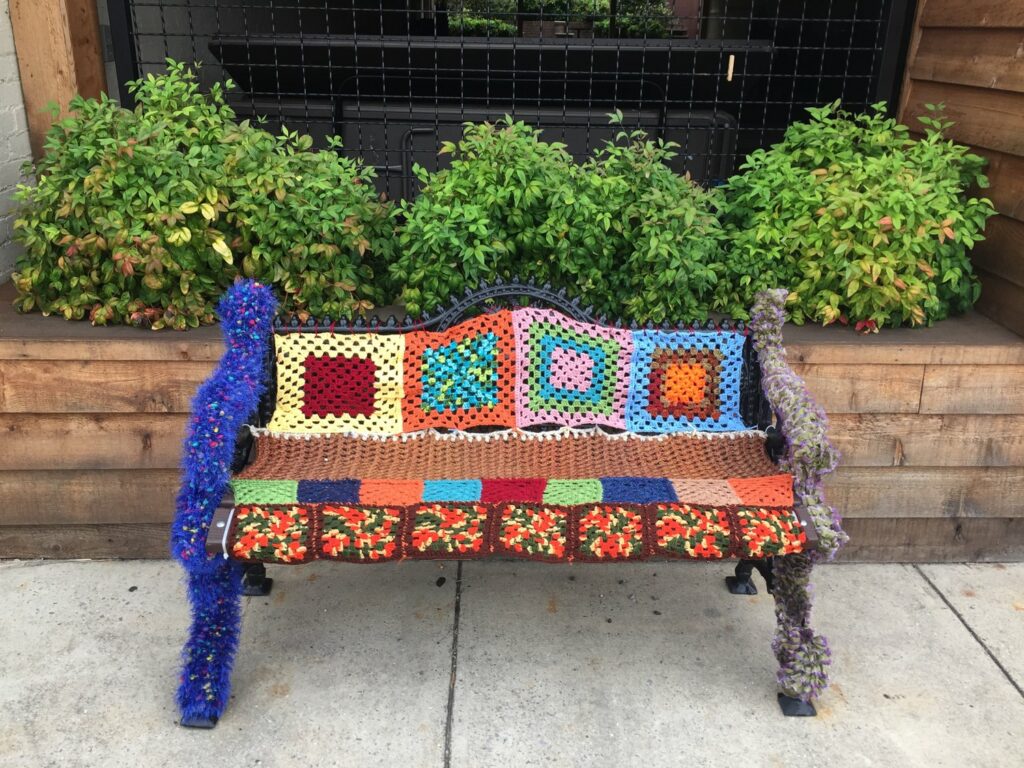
338, 386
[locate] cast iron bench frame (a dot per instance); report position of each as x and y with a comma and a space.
756, 410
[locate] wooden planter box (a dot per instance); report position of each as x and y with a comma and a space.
930, 423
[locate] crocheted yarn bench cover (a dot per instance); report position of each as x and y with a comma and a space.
522, 433
570, 495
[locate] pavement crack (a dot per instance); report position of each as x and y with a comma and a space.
970, 629
454, 669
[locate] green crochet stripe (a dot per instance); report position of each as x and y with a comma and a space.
568, 492
265, 491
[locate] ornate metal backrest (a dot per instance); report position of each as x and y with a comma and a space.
753, 406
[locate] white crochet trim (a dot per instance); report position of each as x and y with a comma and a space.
505, 434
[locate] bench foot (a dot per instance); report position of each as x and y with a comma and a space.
199, 722
793, 707
742, 584
255, 582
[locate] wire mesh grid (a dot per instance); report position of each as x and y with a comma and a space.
395, 78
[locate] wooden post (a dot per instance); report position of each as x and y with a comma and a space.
59, 55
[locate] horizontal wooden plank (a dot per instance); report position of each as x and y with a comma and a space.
916, 440
149, 541
983, 118
968, 339
86, 386
973, 389
864, 388
1002, 301
1002, 251
34, 337
91, 441
859, 492
978, 13
1006, 182
982, 58
934, 540
46, 496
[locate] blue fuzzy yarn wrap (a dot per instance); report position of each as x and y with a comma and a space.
222, 406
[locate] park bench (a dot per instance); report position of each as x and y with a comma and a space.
511, 425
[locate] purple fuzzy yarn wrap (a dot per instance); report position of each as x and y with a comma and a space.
803, 655
220, 409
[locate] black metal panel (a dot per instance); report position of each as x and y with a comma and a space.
395, 77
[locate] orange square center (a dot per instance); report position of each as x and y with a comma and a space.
685, 383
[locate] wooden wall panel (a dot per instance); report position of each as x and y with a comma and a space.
970, 57
981, 58
978, 13
89, 386
47, 497
91, 440
59, 56
915, 440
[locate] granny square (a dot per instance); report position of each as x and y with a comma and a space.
683, 530
685, 381
532, 531
764, 532
272, 534
360, 534
608, 532
338, 382
447, 531
462, 377
569, 373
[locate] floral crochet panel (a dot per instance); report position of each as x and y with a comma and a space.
462, 377
610, 532
360, 534
598, 532
765, 532
532, 531
272, 534
569, 373
447, 531
685, 381
338, 382
681, 530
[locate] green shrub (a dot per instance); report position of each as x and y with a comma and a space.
503, 209
860, 221
474, 26
648, 243
624, 232
145, 216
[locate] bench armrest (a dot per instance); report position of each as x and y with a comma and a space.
809, 454
219, 411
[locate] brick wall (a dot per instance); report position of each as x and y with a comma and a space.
14, 146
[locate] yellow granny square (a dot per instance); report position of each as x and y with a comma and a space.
339, 382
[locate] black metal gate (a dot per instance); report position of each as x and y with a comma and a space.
394, 78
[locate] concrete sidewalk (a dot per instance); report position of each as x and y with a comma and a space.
514, 665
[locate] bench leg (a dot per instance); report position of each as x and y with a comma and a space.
214, 590
742, 584
803, 656
255, 582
